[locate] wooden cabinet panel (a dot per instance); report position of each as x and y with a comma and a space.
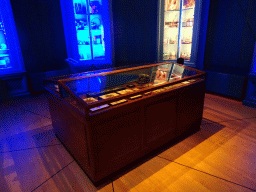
112, 140
190, 108
70, 131
160, 121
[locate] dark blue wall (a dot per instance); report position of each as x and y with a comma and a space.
41, 35
40, 31
230, 36
135, 31
230, 41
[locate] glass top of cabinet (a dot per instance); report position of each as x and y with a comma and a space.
154, 71
123, 80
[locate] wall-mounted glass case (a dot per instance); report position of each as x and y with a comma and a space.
87, 26
178, 29
11, 60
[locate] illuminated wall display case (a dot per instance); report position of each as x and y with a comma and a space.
109, 119
178, 29
12, 73
87, 25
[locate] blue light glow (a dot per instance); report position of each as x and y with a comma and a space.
11, 60
4, 51
89, 29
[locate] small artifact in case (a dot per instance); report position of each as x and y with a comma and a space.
125, 91
143, 79
130, 85
118, 102
136, 96
90, 100
109, 95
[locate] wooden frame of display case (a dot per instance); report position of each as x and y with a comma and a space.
104, 141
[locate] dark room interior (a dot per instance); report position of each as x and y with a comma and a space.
54, 139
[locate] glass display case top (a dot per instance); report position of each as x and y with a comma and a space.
105, 84
97, 90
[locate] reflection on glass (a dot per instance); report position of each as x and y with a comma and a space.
102, 86
89, 27
4, 51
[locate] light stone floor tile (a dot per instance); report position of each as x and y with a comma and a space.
224, 148
27, 169
70, 179
37, 104
17, 122
204, 135
228, 153
160, 175
219, 109
40, 137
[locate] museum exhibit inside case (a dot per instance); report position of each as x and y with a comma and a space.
110, 118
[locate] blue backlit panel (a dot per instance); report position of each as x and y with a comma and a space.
4, 51
89, 29
87, 25
11, 60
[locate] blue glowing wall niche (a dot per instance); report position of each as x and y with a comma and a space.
11, 60
87, 31
4, 51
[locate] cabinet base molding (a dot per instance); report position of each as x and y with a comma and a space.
13, 85
250, 98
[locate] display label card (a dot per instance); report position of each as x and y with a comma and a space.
136, 96
99, 107
109, 95
118, 102
158, 90
148, 93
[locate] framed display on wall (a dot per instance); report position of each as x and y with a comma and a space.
11, 59
87, 26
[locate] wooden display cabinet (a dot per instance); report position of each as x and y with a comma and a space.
109, 119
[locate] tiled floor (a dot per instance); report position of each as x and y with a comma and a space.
219, 157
